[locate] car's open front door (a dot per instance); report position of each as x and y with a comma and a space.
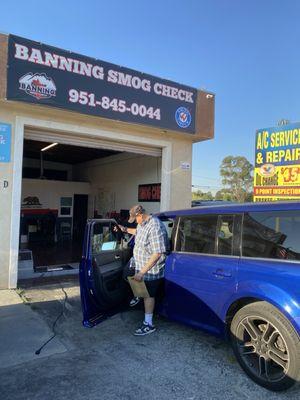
105, 254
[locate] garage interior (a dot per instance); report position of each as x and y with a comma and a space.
62, 186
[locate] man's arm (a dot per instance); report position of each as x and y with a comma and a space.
152, 261
131, 231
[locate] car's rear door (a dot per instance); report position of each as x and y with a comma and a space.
201, 272
105, 254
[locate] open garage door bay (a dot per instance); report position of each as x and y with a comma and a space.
67, 179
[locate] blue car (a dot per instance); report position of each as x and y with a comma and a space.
233, 271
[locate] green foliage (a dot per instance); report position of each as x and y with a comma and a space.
199, 195
236, 173
224, 194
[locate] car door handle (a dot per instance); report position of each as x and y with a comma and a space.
220, 273
117, 257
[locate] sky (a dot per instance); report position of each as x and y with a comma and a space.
245, 51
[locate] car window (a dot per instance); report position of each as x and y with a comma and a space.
272, 235
104, 238
225, 235
169, 224
197, 234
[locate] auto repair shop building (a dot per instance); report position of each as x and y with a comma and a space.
79, 138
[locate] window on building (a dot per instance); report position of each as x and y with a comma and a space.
66, 206
197, 234
272, 235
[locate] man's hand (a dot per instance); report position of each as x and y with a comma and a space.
116, 228
138, 276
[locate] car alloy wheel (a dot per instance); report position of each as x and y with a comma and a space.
263, 348
266, 346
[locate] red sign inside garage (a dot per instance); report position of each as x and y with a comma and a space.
149, 192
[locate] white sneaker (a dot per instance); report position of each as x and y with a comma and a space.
145, 329
134, 301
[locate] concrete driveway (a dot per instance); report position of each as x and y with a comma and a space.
108, 362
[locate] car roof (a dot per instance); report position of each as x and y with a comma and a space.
235, 208
210, 202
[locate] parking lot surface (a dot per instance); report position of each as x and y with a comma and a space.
108, 362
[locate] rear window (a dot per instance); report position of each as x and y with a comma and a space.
272, 235
197, 234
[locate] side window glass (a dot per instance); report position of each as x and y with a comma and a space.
272, 235
197, 234
225, 235
169, 224
104, 238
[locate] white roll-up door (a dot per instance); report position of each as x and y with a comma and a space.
67, 138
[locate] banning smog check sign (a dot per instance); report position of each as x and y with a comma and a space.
42, 74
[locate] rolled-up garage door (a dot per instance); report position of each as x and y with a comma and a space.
83, 141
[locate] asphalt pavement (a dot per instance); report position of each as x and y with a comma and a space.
107, 361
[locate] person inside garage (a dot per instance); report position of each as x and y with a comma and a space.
149, 255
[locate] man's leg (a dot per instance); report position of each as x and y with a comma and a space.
147, 326
129, 271
149, 303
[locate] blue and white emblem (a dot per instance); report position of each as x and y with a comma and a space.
183, 117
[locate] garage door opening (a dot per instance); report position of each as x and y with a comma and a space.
63, 185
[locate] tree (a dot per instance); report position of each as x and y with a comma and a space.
199, 195
236, 173
196, 195
207, 196
223, 194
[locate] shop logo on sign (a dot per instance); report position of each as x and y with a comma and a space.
183, 117
38, 85
267, 170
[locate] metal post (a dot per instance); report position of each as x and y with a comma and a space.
41, 166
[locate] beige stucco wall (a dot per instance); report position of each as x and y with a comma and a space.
115, 180
6, 174
181, 179
50, 192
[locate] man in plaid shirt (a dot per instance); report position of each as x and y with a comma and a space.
149, 255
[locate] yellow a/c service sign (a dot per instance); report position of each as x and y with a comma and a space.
277, 163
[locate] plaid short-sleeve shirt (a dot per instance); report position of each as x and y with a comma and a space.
151, 237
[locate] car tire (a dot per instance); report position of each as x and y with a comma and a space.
266, 346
